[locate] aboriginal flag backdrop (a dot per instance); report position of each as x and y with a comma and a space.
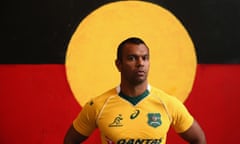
36, 103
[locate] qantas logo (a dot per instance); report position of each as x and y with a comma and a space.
135, 141
139, 141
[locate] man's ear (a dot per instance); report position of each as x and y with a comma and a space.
118, 64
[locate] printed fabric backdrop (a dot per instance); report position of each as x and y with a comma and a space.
36, 103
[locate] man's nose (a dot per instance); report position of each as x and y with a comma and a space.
140, 62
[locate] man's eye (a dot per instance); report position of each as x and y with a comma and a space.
146, 57
131, 58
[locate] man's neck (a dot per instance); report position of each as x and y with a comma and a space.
133, 90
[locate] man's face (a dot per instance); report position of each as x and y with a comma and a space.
134, 66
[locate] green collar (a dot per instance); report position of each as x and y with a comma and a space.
134, 100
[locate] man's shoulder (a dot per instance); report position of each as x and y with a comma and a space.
105, 95
162, 94
98, 101
171, 102
158, 91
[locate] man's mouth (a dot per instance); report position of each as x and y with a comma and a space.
141, 72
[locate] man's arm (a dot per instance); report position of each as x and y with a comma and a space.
194, 135
73, 137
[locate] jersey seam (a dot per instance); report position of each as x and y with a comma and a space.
166, 109
104, 105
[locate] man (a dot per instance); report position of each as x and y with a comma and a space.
134, 112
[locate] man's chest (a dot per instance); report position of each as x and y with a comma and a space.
141, 122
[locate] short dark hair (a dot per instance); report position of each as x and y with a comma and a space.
132, 40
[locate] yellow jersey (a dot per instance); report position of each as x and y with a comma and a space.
142, 120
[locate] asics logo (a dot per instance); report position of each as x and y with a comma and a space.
135, 114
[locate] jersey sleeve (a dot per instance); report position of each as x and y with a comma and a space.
85, 122
181, 118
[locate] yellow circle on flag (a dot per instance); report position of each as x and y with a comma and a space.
92, 49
